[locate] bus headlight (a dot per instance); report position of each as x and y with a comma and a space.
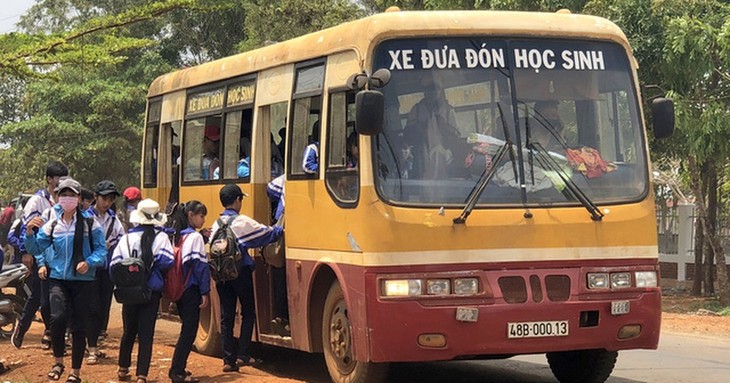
438, 286
466, 286
598, 281
620, 280
402, 287
646, 279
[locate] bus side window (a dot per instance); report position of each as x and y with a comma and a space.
304, 156
343, 150
237, 146
201, 148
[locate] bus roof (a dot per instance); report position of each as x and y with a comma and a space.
361, 34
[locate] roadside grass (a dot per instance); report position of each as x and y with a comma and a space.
682, 302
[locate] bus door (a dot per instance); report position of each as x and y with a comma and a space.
270, 278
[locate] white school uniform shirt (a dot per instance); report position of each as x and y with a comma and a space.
160, 247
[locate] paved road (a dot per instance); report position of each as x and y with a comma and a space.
680, 358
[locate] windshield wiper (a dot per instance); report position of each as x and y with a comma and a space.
481, 184
548, 162
487, 175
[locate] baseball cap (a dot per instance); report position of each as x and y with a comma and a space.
132, 193
229, 193
213, 132
106, 187
68, 183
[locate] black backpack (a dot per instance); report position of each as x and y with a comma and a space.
130, 277
224, 252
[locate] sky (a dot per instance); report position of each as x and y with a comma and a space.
10, 11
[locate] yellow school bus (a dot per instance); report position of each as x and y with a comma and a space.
458, 185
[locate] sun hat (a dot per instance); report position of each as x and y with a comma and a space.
148, 213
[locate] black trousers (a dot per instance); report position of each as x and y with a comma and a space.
38, 298
69, 300
189, 311
281, 307
101, 302
230, 292
139, 322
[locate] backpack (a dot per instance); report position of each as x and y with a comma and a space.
174, 282
130, 277
224, 252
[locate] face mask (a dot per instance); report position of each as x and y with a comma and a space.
68, 203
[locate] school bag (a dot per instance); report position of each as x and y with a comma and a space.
224, 252
130, 277
174, 283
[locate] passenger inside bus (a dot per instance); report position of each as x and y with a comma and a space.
202, 168
243, 167
431, 132
547, 127
310, 162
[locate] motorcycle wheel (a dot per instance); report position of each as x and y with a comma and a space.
7, 330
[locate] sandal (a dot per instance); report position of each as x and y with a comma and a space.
46, 342
73, 379
123, 374
141, 379
240, 362
56, 371
94, 358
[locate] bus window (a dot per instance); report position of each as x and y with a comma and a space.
273, 119
152, 137
343, 151
237, 146
201, 148
306, 116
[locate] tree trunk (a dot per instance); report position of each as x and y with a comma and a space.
714, 240
710, 177
699, 274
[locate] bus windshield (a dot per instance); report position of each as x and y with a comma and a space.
452, 103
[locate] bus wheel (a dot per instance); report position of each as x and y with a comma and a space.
584, 366
208, 339
338, 347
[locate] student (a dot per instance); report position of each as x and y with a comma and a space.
250, 233
105, 194
280, 323
78, 248
190, 217
87, 199
36, 205
310, 162
150, 241
132, 196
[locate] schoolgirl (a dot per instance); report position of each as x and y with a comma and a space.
78, 248
189, 218
149, 240
104, 195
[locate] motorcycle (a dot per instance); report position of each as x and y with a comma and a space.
11, 305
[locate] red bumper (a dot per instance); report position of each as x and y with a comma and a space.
395, 325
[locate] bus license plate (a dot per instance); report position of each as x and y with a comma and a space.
537, 329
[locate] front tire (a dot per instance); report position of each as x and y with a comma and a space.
338, 347
582, 366
13, 318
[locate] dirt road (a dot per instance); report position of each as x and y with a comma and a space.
30, 363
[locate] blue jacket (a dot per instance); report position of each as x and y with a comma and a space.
310, 163
59, 260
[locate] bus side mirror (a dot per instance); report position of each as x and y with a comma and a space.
369, 109
662, 111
